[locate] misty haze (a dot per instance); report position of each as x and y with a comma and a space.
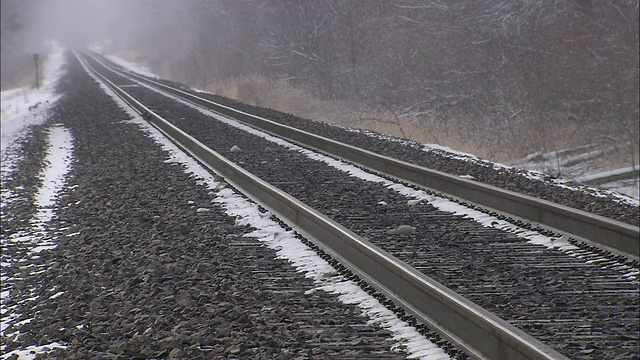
532, 83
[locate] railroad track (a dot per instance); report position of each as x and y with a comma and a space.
581, 225
489, 266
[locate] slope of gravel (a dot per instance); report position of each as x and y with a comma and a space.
139, 272
587, 199
21, 182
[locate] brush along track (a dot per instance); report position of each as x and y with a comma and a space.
581, 303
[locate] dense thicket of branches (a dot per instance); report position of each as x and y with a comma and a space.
525, 70
511, 76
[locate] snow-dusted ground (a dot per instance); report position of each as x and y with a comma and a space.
629, 187
37, 239
600, 175
539, 166
27, 106
22, 108
581, 165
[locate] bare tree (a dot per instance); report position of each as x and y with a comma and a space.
512, 77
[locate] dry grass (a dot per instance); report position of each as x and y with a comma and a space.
493, 144
279, 95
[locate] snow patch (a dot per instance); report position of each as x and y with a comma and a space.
26, 106
136, 68
32, 352
36, 239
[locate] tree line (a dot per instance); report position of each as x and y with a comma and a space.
507, 75
510, 76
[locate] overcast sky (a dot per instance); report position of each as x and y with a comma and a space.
80, 22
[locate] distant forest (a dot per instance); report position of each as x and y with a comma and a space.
502, 78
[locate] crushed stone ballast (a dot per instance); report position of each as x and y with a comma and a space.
152, 261
553, 292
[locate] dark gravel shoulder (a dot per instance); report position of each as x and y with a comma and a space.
23, 181
513, 179
140, 273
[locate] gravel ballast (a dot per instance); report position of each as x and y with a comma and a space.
141, 270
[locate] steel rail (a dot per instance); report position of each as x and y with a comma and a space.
612, 234
477, 331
